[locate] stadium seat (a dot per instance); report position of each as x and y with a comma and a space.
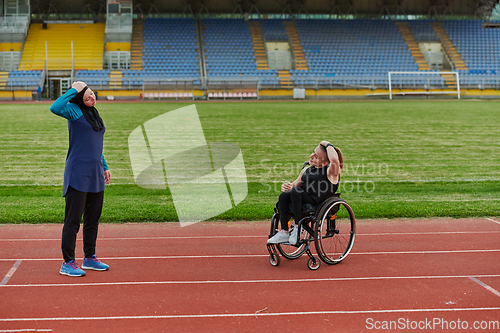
478, 48
170, 48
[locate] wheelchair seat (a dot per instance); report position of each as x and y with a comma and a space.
310, 209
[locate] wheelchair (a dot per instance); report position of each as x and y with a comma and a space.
331, 226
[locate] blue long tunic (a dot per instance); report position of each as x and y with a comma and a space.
85, 163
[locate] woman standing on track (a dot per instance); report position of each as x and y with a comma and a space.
85, 175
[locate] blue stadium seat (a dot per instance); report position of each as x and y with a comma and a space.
168, 42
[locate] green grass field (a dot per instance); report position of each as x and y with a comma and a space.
402, 158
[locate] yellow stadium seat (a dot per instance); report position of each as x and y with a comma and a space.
88, 41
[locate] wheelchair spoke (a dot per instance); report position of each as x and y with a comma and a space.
335, 232
287, 250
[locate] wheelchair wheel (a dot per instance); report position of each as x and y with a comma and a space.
288, 251
313, 263
274, 259
335, 231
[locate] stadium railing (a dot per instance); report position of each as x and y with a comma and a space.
14, 25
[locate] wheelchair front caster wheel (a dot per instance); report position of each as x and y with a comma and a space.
274, 259
313, 263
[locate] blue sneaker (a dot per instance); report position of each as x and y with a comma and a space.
71, 269
94, 263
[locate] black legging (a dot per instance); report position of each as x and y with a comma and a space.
77, 204
296, 197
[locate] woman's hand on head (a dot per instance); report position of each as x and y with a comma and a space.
78, 85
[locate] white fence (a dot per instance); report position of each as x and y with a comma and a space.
117, 60
9, 61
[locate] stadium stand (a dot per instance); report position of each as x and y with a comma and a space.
93, 77
274, 30
24, 78
170, 48
352, 51
115, 79
480, 50
279, 30
137, 45
258, 46
298, 51
448, 46
228, 48
170, 61
20, 84
170, 51
422, 30
4, 76
88, 42
229, 55
226, 58
410, 40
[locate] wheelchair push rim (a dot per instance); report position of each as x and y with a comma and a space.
335, 232
288, 251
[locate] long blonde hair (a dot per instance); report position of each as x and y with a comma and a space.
341, 157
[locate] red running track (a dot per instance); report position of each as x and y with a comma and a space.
216, 277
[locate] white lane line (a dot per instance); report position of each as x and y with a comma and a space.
427, 252
484, 285
254, 236
493, 220
28, 330
253, 314
231, 256
430, 233
10, 273
133, 238
199, 282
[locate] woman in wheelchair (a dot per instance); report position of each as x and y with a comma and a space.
314, 185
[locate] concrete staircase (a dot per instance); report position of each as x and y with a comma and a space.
450, 80
413, 46
115, 79
3, 80
137, 45
298, 51
451, 52
258, 46
285, 79
448, 46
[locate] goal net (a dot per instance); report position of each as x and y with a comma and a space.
424, 83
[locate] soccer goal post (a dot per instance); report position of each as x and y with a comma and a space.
429, 83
